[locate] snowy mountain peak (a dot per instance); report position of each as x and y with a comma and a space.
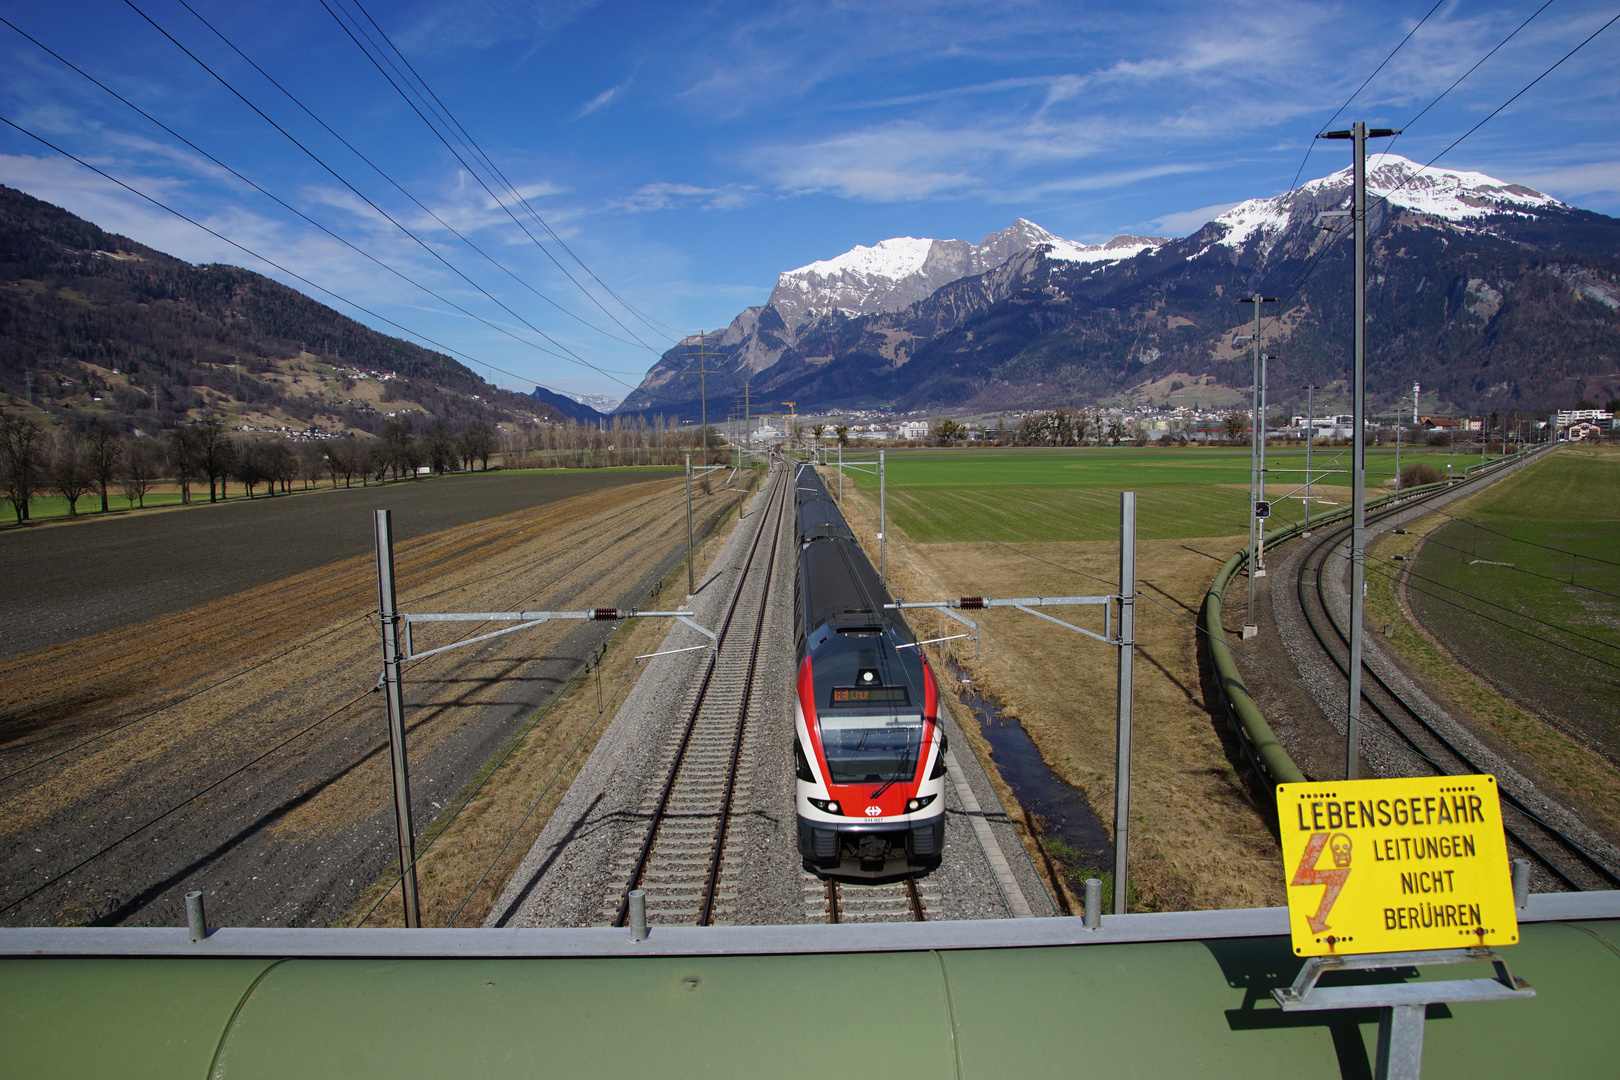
893, 259
1451, 194
893, 273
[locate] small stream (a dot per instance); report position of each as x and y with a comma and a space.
1064, 814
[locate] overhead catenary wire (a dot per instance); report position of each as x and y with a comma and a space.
1293, 289
394, 183
651, 323
565, 352
1340, 110
473, 172
407, 331
270, 195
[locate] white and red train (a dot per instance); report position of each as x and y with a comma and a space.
869, 751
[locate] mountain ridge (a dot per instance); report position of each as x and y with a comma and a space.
1470, 280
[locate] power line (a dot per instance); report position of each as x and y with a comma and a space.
397, 186
1385, 197
566, 352
1300, 279
472, 171
448, 350
651, 323
1312, 145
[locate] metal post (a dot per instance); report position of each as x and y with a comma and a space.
638, 915
1358, 496
1265, 410
1358, 482
840, 477
691, 587
198, 922
1521, 883
1127, 658
1093, 915
883, 524
1400, 1042
1397, 449
394, 693
1310, 440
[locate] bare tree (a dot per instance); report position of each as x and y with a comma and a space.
184, 459
70, 477
249, 467
311, 462
103, 457
477, 443
144, 465
439, 447
23, 460
215, 453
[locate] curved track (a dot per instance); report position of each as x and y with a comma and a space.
679, 859
1388, 712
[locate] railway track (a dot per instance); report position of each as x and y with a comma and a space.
210, 816
680, 856
829, 900
1386, 711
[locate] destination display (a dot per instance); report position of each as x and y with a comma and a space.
1393, 865
869, 695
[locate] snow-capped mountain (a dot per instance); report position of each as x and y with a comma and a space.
1393, 183
1491, 294
893, 273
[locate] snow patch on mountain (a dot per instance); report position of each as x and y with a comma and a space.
893, 273
894, 259
1450, 194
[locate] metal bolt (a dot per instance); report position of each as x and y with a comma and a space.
195, 919
638, 915
1093, 917
1521, 883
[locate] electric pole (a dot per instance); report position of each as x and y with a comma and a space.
703, 374
1310, 440
1358, 493
1256, 461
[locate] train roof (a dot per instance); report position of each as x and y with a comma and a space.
819, 515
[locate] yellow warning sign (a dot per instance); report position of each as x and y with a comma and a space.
1390, 865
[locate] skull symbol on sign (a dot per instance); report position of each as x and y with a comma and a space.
1340, 845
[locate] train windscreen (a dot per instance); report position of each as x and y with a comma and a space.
871, 749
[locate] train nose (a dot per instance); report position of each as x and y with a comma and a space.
874, 852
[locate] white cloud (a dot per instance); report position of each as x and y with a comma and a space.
604, 99
1572, 181
483, 24
1185, 222
668, 196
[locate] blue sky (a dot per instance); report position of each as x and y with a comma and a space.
687, 153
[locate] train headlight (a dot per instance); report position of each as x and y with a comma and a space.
826, 806
913, 805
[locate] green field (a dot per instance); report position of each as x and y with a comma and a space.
1057, 495
1525, 587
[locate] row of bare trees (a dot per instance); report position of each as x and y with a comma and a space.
627, 441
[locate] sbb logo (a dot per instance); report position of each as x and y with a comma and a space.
874, 811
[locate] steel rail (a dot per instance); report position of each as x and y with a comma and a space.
706, 912
647, 843
1319, 554
145, 894
914, 907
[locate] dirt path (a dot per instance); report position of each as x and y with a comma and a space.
236, 747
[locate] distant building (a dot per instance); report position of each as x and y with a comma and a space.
913, 429
1583, 430
1448, 423
1566, 417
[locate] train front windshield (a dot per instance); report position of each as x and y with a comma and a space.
870, 747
